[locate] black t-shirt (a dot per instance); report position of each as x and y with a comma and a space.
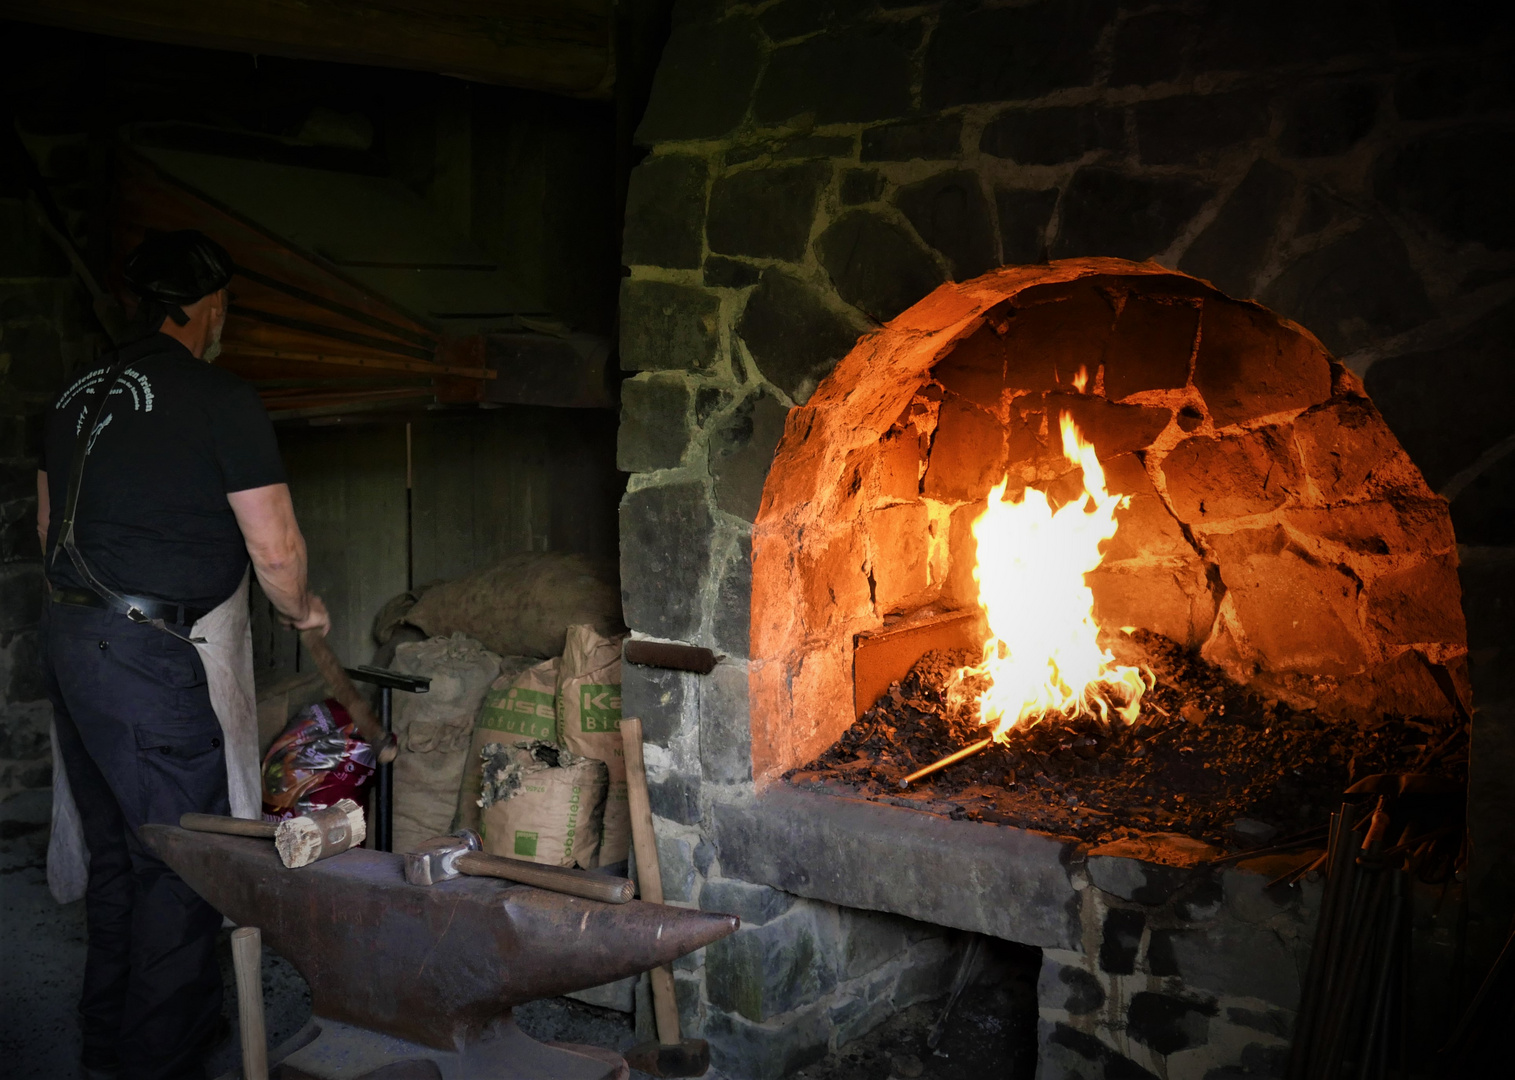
176, 437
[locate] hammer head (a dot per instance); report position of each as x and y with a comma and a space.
691, 1057
437, 859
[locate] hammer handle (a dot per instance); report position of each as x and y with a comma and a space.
644, 845
344, 691
563, 879
263, 830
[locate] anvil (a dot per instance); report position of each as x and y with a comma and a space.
399, 972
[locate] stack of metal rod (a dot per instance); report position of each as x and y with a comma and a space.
1355, 997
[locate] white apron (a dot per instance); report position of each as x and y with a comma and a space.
227, 655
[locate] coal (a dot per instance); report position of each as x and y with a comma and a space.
1207, 759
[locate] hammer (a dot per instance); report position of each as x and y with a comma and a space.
373, 733
445, 857
300, 841
671, 1055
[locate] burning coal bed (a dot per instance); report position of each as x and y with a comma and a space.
1207, 758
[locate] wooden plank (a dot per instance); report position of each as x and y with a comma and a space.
378, 363
561, 46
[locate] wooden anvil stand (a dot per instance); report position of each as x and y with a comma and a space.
411, 982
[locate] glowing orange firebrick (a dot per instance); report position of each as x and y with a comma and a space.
1043, 655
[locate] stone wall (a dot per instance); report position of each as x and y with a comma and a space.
46, 331
815, 168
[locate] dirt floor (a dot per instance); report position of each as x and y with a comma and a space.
1207, 759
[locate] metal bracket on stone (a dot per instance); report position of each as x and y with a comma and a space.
670, 654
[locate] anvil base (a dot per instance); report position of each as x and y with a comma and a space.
332, 1050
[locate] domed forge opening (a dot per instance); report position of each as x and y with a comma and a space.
1272, 530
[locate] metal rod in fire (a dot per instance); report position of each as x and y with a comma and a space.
950, 759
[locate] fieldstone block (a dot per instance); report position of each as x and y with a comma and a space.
975, 369
860, 186
741, 452
1151, 347
1023, 217
722, 273
872, 938
1131, 879
1380, 526
1061, 986
1107, 212
731, 624
1168, 1024
1150, 48
1299, 614
901, 549
703, 82
676, 862
1215, 479
1069, 1054
1052, 136
1238, 961
766, 213
950, 213
1447, 405
1345, 447
1120, 940
662, 698
1353, 290
1251, 36
876, 266
1113, 429
725, 731
1183, 130
861, 1012
1418, 604
797, 18
1247, 366
665, 212
1328, 119
1201, 901
968, 455
677, 799
762, 971
816, 146
794, 337
1234, 246
755, 905
1177, 603
654, 423
932, 138
665, 551
739, 1047
929, 968
21, 596
709, 400
1449, 88
1005, 54
1047, 342
666, 327
859, 73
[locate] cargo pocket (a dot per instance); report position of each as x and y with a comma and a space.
182, 768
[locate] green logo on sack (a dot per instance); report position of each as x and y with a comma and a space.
526, 844
599, 708
528, 713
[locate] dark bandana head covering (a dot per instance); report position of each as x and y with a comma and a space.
171, 269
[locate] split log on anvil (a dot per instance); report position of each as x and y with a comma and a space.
429, 974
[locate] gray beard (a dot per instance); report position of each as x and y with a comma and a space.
212, 350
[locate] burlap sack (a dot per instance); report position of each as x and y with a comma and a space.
434, 730
520, 605
542, 804
589, 723
520, 707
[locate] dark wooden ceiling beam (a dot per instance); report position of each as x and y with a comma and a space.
560, 46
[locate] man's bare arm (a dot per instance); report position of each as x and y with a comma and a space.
44, 510
266, 516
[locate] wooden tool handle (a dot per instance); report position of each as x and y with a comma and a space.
263, 830
247, 960
665, 1007
563, 879
344, 691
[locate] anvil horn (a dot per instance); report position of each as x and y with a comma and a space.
437, 965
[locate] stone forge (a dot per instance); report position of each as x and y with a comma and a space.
1274, 524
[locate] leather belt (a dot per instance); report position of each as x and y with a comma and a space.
179, 614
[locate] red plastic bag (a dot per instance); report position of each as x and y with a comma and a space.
315, 761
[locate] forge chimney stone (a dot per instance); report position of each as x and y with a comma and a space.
755, 905
950, 213
741, 449
1232, 248
763, 971
765, 213
1049, 339
660, 697
1416, 604
1151, 346
876, 266
794, 337
1347, 447
1113, 429
1007, 54
848, 75
1023, 217
968, 454
1237, 960
654, 423
677, 799
704, 81
665, 551
665, 212
1217, 479
937, 138
1052, 136
1109, 212
1329, 118
860, 185
725, 736
731, 624
666, 327
1247, 366
1192, 127
1168, 1024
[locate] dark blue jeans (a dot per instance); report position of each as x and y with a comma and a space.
141, 744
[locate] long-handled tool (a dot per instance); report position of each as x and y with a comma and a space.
445, 857
344, 691
299, 841
671, 1055
247, 961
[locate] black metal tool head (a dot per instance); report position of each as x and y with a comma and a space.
688, 1058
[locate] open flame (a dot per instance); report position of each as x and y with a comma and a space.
1043, 655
